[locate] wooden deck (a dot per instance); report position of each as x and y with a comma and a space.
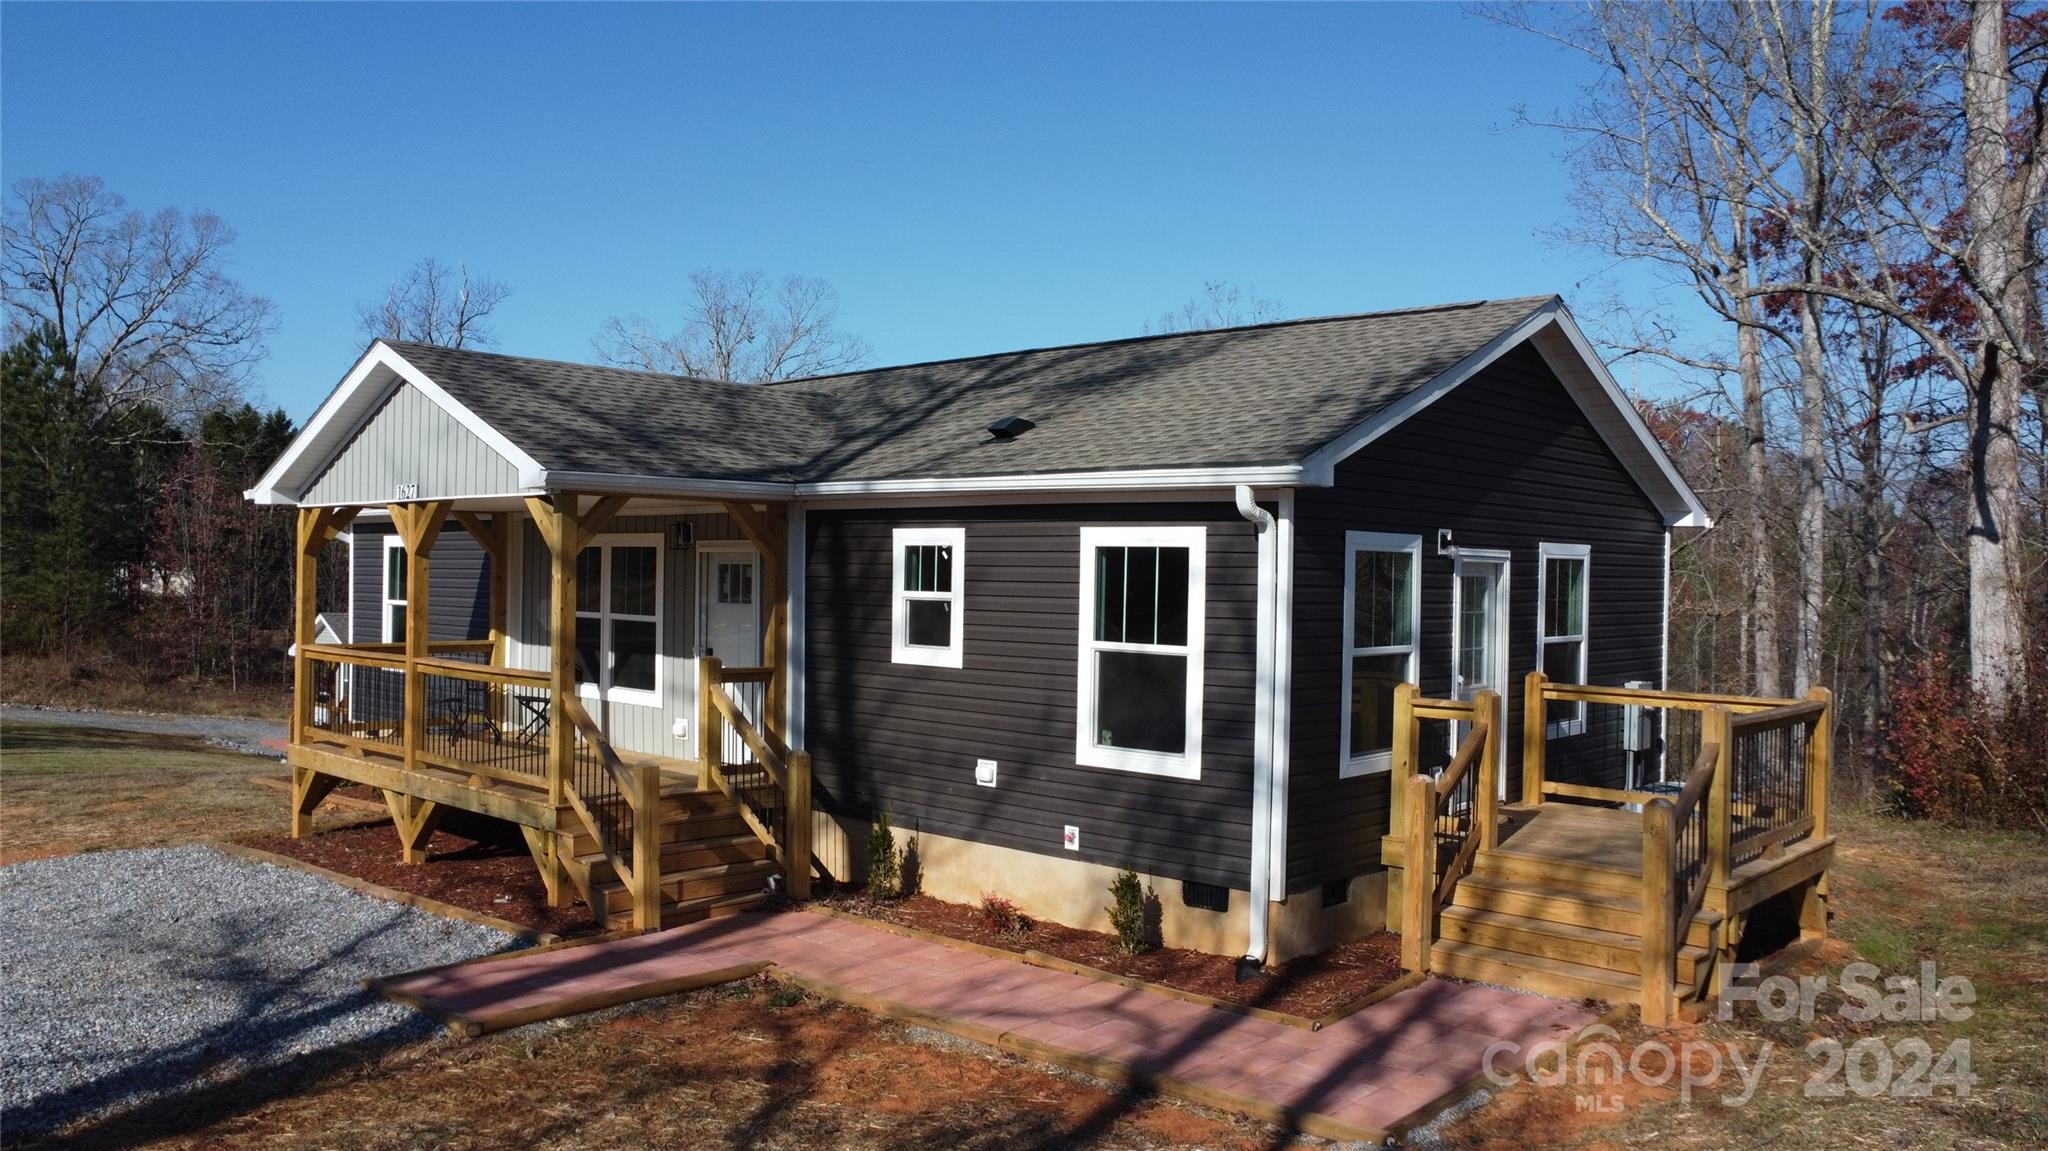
1590, 889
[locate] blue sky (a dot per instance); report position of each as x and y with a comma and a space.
971, 179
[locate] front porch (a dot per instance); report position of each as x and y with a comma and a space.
1650, 827
646, 839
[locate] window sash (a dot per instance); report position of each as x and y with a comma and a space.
395, 560
1159, 616
928, 565
1564, 574
595, 600
1403, 604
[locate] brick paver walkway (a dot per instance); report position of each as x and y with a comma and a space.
1367, 1072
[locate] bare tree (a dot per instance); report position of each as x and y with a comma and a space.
744, 327
1220, 304
143, 302
435, 304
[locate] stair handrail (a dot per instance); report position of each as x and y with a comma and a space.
639, 787
1477, 758
1680, 850
788, 771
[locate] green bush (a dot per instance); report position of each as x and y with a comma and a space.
885, 865
1127, 912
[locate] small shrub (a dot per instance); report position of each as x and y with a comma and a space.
1127, 913
1002, 916
786, 997
885, 865
1953, 758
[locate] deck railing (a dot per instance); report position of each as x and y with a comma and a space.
455, 711
740, 754
1722, 780
1447, 818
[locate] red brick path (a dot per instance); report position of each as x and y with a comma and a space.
1370, 1070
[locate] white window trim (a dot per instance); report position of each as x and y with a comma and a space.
1372, 763
392, 543
629, 695
901, 650
1544, 554
1087, 752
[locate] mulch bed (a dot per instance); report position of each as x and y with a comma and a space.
1309, 987
474, 863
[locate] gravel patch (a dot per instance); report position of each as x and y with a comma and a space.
227, 732
131, 976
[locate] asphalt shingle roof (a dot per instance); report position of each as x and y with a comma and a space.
1268, 394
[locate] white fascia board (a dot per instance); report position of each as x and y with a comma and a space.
1142, 479
352, 402
1610, 412
540, 481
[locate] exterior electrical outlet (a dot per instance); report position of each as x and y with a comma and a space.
985, 772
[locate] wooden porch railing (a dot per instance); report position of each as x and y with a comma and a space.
1458, 810
448, 711
1757, 781
769, 783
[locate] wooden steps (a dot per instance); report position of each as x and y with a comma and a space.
712, 863
1573, 931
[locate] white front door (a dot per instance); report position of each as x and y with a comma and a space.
728, 595
729, 625
1479, 636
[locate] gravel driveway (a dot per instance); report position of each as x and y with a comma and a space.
245, 735
130, 976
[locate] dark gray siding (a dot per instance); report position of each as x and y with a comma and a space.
907, 736
459, 592
1506, 460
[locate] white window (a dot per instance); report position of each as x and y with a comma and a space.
395, 560
618, 618
1561, 598
1382, 616
930, 578
1140, 700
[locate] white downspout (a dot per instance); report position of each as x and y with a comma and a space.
1262, 733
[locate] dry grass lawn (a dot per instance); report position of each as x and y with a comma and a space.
69, 789
105, 683
1904, 892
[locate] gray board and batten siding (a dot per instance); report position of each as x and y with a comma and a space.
906, 737
1505, 460
412, 440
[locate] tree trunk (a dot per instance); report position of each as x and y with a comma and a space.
1999, 231
1812, 493
1763, 580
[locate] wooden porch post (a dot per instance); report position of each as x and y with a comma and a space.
1486, 705
1659, 907
419, 525
1534, 731
1418, 896
1820, 758
560, 528
1407, 734
797, 836
316, 526
1715, 729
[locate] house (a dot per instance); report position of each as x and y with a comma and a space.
1255, 612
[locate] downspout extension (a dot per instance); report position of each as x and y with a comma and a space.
1262, 740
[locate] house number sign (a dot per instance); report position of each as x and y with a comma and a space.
408, 491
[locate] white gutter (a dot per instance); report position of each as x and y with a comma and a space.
1262, 731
